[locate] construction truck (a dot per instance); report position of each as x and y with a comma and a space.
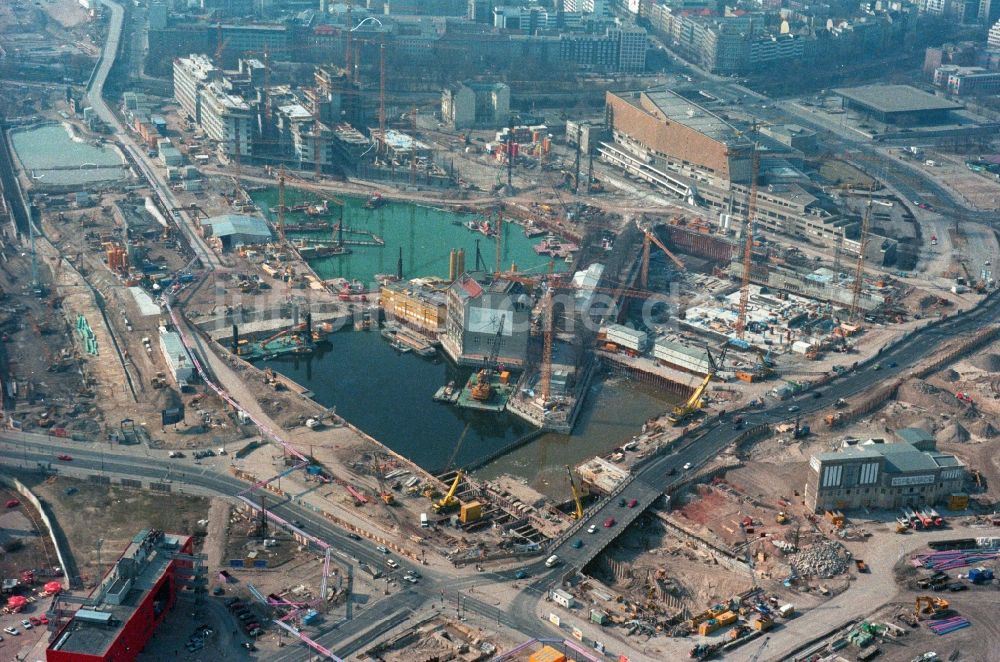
694, 404
781, 518
448, 501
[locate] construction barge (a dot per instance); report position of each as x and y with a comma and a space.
403, 340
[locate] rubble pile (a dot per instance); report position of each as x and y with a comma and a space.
824, 559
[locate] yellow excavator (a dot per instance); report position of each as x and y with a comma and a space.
931, 606
578, 514
693, 405
448, 501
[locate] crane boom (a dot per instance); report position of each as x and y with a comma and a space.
578, 514
741, 319
449, 500
656, 240
859, 269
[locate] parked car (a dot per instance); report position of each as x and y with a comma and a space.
34, 621
633, 503
26, 624
12, 630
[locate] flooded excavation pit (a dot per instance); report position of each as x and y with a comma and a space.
52, 155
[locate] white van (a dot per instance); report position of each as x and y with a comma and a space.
552, 561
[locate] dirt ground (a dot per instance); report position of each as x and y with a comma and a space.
976, 189
68, 13
24, 542
96, 512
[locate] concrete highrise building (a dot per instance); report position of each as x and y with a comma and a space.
993, 40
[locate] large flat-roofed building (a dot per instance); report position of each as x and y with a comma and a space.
230, 231
176, 356
116, 620
898, 104
422, 306
477, 307
678, 355
672, 134
882, 475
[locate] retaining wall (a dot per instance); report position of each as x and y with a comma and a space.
61, 553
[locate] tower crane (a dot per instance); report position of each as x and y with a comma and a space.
859, 269
578, 513
741, 319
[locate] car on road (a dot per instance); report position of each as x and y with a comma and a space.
391, 563
577, 544
13, 503
891, 364
176, 454
415, 574
817, 395
877, 366
672, 472
381, 548
608, 523
353, 536
687, 465
249, 646
64, 457
633, 503
592, 528
410, 578
793, 409
622, 502
297, 523
520, 574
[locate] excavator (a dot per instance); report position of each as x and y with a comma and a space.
448, 501
693, 405
933, 607
578, 513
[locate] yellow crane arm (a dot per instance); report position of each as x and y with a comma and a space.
454, 488
576, 495
700, 391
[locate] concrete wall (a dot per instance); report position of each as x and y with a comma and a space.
61, 553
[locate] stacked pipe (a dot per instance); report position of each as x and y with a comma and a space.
948, 625
952, 559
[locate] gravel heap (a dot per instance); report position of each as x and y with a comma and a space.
987, 362
824, 560
952, 434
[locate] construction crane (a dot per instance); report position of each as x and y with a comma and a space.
695, 402
281, 204
483, 389
449, 501
648, 237
741, 318
546, 372
859, 269
578, 513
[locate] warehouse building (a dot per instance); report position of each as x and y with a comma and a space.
678, 355
176, 356
631, 340
882, 475
230, 231
672, 134
900, 105
421, 306
116, 620
480, 307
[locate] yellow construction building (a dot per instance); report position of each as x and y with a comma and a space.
420, 305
